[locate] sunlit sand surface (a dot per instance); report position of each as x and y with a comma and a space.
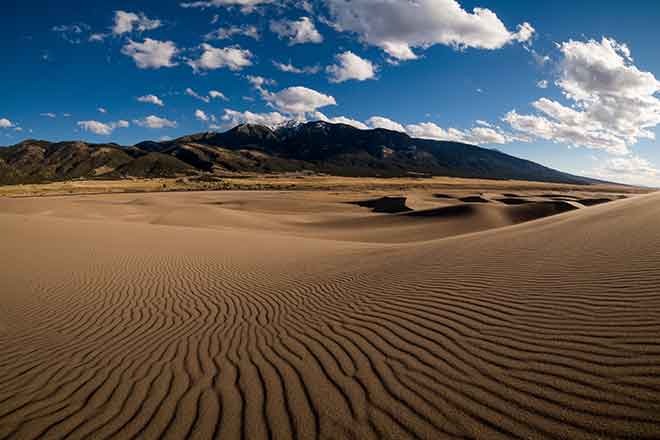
487, 314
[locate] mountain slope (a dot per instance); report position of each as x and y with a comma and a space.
316, 146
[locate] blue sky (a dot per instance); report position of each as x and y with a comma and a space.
568, 84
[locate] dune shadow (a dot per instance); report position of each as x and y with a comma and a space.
386, 205
445, 211
513, 201
593, 202
474, 199
536, 210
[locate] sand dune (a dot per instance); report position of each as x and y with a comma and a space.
280, 315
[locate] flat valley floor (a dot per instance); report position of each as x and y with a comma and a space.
279, 315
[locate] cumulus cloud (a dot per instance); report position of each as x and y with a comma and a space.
48, 115
214, 94
126, 22
151, 99
230, 32
151, 54
614, 103
630, 169
201, 116
232, 118
350, 66
298, 100
383, 122
290, 68
6, 123
102, 110
234, 58
398, 27
293, 100
543, 84
194, 94
485, 134
102, 128
155, 122
258, 82
245, 5
298, 31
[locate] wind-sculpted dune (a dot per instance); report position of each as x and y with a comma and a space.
247, 316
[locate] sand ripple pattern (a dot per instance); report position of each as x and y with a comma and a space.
549, 330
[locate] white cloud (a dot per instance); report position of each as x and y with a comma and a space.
126, 22
155, 122
6, 123
350, 66
229, 32
234, 58
98, 37
258, 82
96, 127
151, 99
614, 103
151, 54
194, 94
214, 94
290, 68
201, 116
382, 122
245, 5
593, 68
48, 115
298, 100
272, 119
524, 33
543, 84
297, 31
482, 135
102, 110
398, 27
630, 169
101, 128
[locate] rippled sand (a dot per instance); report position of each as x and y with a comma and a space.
298, 315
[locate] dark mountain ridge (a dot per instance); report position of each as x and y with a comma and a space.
322, 147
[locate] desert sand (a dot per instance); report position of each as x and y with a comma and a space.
524, 313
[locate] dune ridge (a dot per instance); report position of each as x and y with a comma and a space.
130, 323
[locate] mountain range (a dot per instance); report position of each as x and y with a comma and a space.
321, 147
